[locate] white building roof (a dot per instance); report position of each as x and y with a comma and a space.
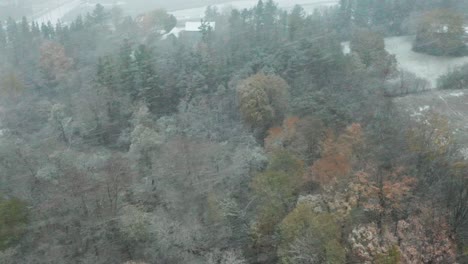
189, 27
175, 32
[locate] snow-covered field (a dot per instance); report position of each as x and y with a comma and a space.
423, 65
308, 5
450, 104
55, 14
61, 8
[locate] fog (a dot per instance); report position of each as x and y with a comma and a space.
66, 10
233, 132
36, 8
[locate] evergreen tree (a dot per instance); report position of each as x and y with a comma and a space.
45, 31
147, 80
13, 41
3, 38
296, 22
259, 21
12, 30
362, 13
126, 69
106, 73
99, 14
35, 30
78, 23
51, 29
25, 28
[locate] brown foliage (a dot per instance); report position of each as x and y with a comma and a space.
54, 62
426, 238
118, 177
337, 155
279, 136
298, 136
384, 196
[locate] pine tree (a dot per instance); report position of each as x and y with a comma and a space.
259, 20
362, 13
106, 73
12, 30
13, 39
3, 38
78, 23
25, 29
99, 14
126, 69
148, 87
35, 30
296, 22
270, 18
51, 29
45, 31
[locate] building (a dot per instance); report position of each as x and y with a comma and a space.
190, 28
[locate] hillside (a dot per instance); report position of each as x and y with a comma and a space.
251, 137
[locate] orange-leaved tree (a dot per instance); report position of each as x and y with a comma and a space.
338, 155
300, 136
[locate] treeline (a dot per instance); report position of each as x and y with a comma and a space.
257, 142
390, 17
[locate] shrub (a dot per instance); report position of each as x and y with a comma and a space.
13, 220
455, 79
311, 236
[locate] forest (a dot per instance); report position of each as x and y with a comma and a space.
255, 141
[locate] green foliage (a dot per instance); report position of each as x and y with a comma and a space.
159, 19
310, 237
11, 85
440, 32
263, 100
370, 47
392, 257
455, 79
276, 188
187, 133
13, 221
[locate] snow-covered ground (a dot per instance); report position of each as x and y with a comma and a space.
449, 104
423, 65
60, 9
197, 13
57, 13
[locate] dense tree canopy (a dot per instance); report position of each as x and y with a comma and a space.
441, 32
257, 141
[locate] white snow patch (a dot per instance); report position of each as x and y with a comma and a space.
424, 108
457, 94
195, 26
346, 48
464, 153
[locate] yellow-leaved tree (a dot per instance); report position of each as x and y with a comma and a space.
263, 100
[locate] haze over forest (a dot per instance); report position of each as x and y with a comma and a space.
233, 132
